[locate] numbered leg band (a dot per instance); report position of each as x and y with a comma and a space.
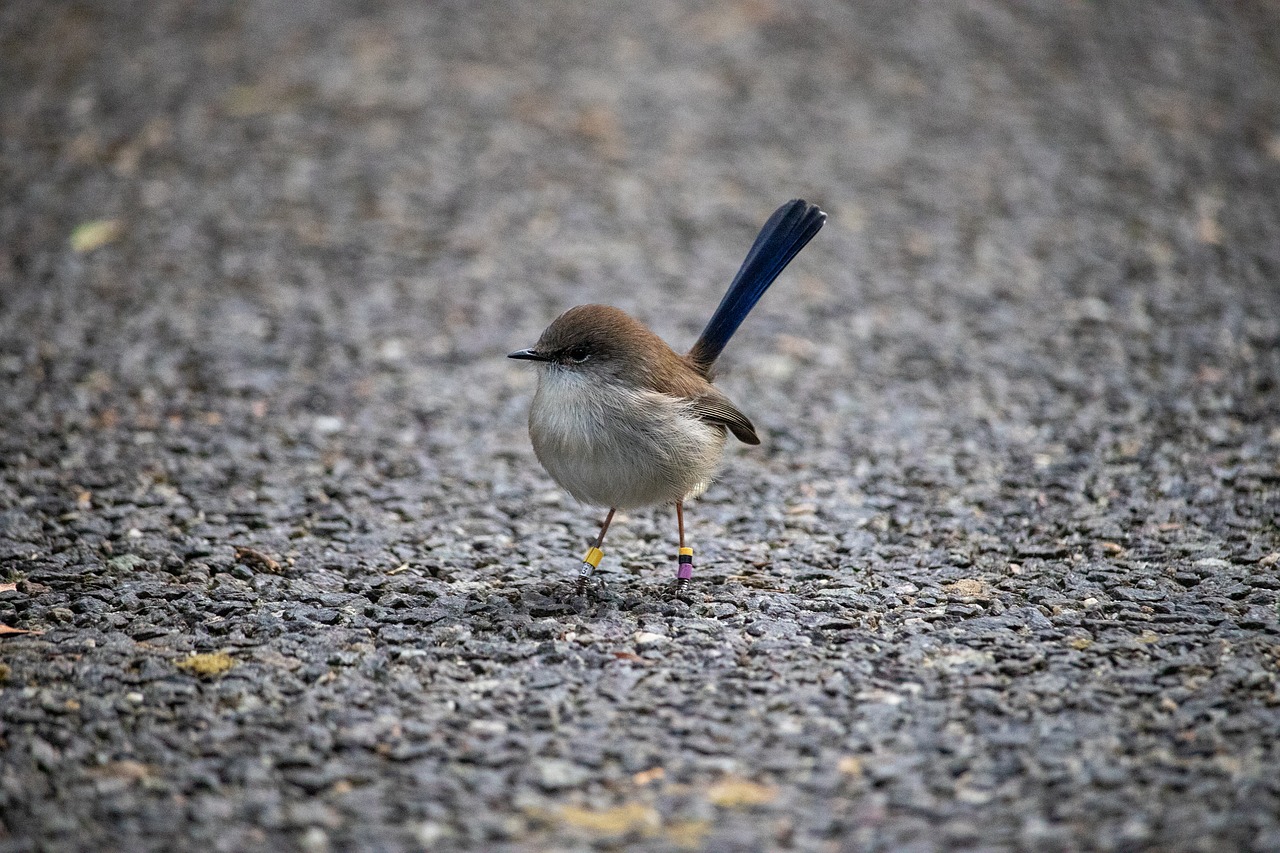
686, 564
590, 562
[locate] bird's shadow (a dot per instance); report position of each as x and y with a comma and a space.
598, 597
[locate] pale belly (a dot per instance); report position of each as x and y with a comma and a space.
620, 448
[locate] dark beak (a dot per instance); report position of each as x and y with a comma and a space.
528, 355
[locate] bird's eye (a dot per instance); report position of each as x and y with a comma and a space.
579, 354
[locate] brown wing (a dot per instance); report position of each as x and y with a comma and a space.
715, 408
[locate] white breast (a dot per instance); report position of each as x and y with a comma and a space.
617, 447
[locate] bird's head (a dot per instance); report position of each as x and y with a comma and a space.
597, 340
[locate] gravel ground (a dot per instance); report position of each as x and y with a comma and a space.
1003, 575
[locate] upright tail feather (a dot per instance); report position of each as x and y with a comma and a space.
781, 239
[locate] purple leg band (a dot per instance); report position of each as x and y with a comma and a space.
686, 571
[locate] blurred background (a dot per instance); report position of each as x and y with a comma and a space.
356, 201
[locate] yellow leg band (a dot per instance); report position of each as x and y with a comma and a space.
686, 552
593, 558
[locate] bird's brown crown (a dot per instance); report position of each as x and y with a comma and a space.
605, 339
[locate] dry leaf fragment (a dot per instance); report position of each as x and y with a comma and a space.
208, 664
735, 792
94, 234
256, 559
653, 774
127, 769
687, 834
599, 125
619, 820
966, 588
246, 101
850, 765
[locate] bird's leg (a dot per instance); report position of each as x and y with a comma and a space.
684, 570
594, 555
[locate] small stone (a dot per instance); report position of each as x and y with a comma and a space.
328, 425
648, 639
314, 840
556, 775
429, 833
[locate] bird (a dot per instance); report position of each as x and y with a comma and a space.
620, 420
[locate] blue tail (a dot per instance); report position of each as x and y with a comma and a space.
781, 239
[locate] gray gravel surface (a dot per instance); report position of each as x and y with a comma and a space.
1003, 575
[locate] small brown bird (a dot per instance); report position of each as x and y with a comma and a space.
621, 420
